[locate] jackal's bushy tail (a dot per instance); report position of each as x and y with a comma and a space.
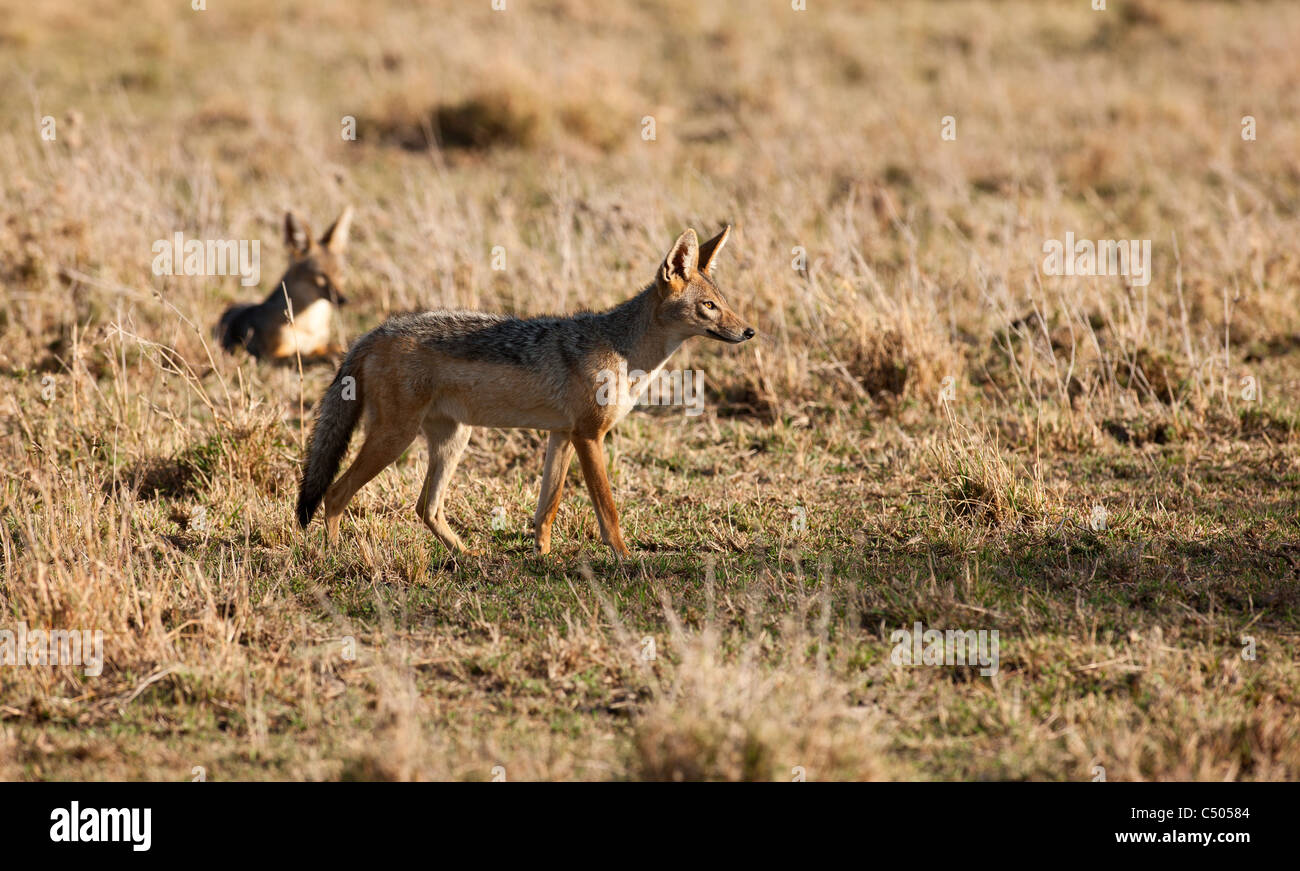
235, 325
337, 416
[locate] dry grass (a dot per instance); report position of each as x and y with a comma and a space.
980, 483
921, 433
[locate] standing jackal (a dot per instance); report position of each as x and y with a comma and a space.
443, 372
270, 330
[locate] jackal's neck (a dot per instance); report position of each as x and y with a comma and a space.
636, 335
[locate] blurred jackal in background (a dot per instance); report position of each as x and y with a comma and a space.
294, 320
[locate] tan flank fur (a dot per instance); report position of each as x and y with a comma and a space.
443, 372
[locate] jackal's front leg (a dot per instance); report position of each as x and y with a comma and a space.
591, 454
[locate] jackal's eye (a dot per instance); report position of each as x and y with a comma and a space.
709, 305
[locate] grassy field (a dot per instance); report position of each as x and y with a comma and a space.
929, 428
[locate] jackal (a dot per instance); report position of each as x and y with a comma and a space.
271, 330
444, 372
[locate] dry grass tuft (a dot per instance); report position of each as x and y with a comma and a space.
980, 484
880, 366
491, 120
739, 717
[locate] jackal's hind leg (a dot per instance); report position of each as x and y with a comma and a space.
384, 443
559, 453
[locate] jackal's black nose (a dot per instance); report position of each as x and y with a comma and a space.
749, 332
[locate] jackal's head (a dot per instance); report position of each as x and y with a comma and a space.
315, 267
688, 299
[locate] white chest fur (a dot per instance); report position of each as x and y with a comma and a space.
310, 330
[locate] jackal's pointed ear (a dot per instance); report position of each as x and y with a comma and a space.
709, 250
297, 235
681, 261
336, 237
